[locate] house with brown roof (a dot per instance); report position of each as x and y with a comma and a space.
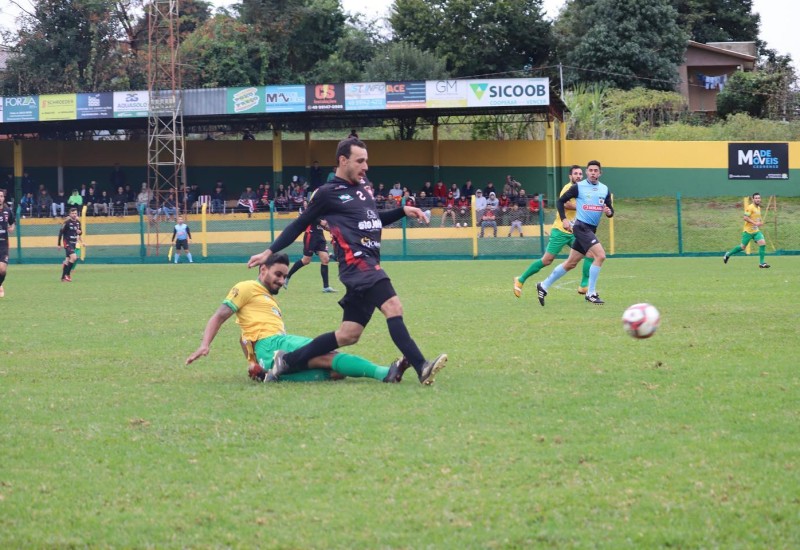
707, 68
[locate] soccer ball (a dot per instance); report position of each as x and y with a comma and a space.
641, 320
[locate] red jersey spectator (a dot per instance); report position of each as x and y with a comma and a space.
440, 192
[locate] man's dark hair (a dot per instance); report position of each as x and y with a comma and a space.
573, 167
594, 163
345, 147
754, 195
73, 209
279, 258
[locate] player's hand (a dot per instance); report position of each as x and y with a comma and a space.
607, 211
416, 213
259, 259
566, 224
202, 351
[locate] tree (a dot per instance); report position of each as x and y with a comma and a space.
624, 43
480, 37
718, 20
354, 49
753, 93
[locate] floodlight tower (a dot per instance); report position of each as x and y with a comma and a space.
165, 138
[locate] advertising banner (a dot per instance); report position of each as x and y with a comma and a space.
285, 99
57, 107
324, 97
445, 93
758, 161
507, 92
244, 100
405, 95
21, 108
95, 105
131, 104
365, 96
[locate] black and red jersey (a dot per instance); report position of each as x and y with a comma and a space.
354, 222
70, 232
7, 219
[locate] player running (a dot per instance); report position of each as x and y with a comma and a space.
314, 243
559, 238
70, 233
751, 231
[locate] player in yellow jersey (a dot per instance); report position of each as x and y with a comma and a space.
751, 232
263, 333
559, 238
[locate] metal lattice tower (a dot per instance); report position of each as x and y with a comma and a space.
165, 138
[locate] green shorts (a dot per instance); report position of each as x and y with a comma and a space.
266, 348
755, 237
558, 240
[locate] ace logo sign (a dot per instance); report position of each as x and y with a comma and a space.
758, 161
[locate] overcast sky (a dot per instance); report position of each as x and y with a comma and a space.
778, 18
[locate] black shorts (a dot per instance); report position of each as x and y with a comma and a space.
3, 253
359, 305
69, 250
314, 245
584, 237
182, 244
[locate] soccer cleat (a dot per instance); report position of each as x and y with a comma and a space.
594, 299
763, 266
279, 365
66, 279
583, 289
725, 258
517, 287
540, 293
328, 289
430, 368
396, 370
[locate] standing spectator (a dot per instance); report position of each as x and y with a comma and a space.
7, 221
103, 204
182, 236
440, 192
28, 185
119, 203
315, 178
44, 203
59, 202
480, 204
449, 209
117, 178
467, 190
512, 187
218, 199
515, 218
488, 220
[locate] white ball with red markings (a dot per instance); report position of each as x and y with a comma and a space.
641, 320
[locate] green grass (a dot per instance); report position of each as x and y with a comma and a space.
549, 427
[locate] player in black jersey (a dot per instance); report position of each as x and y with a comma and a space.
314, 243
70, 233
355, 223
7, 221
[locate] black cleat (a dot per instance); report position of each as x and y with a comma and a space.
594, 299
430, 368
725, 258
540, 293
396, 370
763, 266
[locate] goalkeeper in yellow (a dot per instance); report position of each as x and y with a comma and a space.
751, 232
559, 238
263, 333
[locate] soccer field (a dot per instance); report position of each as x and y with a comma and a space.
550, 427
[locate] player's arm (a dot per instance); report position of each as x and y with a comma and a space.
188, 234
609, 207
314, 211
223, 313
571, 193
60, 235
174, 232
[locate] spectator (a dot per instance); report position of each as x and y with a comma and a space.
143, 198
463, 207
504, 206
119, 202
247, 135
247, 201
533, 208
480, 204
169, 206
489, 189
512, 187
192, 195
281, 198
396, 192
440, 192
380, 196
58, 204
409, 198
492, 203
84, 191
90, 199
75, 200
522, 199
44, 203
449, 209
266, 197
315, 177
103, 204
27, 204
515, 218
28, 185
467, 190
428, 188
130, 195
488, 220
331, 175
296, 195
218, 199
117, 178
455, 191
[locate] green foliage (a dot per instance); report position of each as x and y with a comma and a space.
718, 20
223, 53
625, 43
480, 37
534, 436
356, 46
752, 93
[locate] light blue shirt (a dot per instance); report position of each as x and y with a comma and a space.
590, 202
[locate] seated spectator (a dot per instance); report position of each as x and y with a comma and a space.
247, 201
480, 204
534, 208
44, 203
380, 196
424, 200
440, 193
218, 199
449, 209
396, 192
103, 204
504, 205
488, 220
119, 202
192, 195
169, 206
455, 191
490, 189
75, 201
143, 198
467, 190
297, 195
90, 199
266, 197
27, 204
492, 203
281, 199
57, 208
428, 189
463, 212
516, 216
130, 194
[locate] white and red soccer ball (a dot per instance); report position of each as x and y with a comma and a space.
641, 320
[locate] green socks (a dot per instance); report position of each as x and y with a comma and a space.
358, 367
761, 251
533, 268
735, 250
